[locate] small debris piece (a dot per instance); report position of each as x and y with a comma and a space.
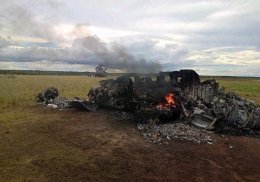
53, 106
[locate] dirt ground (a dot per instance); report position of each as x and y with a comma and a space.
102, 147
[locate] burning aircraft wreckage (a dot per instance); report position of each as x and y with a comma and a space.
182, 107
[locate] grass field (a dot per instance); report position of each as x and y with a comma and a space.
18, 92
21, 90
38, 144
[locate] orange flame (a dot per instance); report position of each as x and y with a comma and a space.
170, 102
169, 98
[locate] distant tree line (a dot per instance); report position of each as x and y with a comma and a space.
38, 72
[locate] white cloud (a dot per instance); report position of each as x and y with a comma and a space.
216, 37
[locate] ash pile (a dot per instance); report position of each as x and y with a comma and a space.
181, 100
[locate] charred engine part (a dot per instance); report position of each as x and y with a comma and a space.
207, 105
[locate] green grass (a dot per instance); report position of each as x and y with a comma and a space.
21, 90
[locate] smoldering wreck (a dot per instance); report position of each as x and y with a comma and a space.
177, 99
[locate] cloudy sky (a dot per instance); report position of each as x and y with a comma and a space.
217, 37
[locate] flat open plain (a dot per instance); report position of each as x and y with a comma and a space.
40, 144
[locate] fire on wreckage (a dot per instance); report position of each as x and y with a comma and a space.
183, 98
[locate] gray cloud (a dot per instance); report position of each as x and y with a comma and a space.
85, 51
18, 18
5, 42
168, 53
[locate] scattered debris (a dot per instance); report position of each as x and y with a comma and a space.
50, 98
182, 107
